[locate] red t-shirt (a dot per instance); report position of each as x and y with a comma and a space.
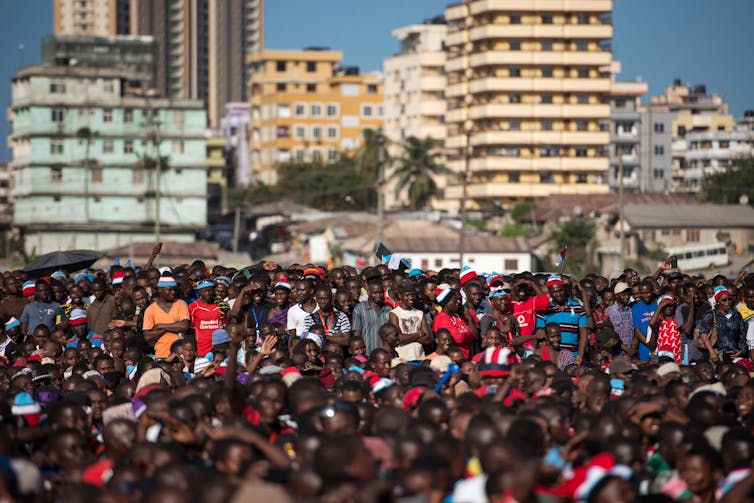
205, 318
458, 329
526, 312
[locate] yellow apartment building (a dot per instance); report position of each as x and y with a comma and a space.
528, 98
305, 107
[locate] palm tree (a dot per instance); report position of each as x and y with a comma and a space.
368, 156
416, 170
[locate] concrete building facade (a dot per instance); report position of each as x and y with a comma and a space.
100, 18
135, 55
528, 108
656, 132
711, 152
84, 161
304, 107
625, 136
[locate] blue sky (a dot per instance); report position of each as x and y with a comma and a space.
698, 41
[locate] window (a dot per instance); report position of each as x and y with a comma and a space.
514, 177
57, 115
659, 150
658, 173
311, 88
177, 147
300, 132
546, 45
57, 87
316, 155
582, 99
128, 115
583, 18
311, 66
56, 147
692, 236
547, 72
300, 154
107, 115
108, 86
581, 151
280, 87
128, 147
724, 143
546, 18
332, 132
515, 18
96, 175
546, 98
284, 111
300, 110
514, 98
582, 178
332, 110
332, 154
582, 45
659, 127
371, 88
545, 177
137, 176
582, 125
682, 131
108, 147
317, 132
583, 72
179, 118
316, 110
283, 132
510, 264
280, 66
514, 45
56, 175
546, 125
283, 155
367, 110
514, 71
514, 124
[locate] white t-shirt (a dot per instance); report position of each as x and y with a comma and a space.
296, 318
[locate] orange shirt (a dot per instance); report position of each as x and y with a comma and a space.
155, 315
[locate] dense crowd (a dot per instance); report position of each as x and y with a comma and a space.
386, 384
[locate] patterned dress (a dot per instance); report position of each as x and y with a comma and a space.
669, 340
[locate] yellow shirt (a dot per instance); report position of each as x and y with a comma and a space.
746, 313
155, 315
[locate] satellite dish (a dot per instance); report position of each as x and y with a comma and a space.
743, 200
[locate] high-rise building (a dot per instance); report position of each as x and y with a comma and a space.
655, 146
528, 98
102, 18
696, 111
415, 91
202, 47
305, 107
84, 161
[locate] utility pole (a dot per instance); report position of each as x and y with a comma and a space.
619, 151
380, 184
236, 229
158, 175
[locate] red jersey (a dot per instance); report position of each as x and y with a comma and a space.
205, 318
526, 312
458, 329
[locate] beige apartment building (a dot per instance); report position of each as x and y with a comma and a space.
415, 90
528, 98
102, 18
305, 107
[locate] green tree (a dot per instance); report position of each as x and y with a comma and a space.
368, 155
575, 233
415, 170
728, 186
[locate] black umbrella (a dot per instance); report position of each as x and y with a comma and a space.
68, 261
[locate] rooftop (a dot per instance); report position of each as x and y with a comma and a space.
689, 215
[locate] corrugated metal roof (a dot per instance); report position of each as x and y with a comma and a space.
689, 215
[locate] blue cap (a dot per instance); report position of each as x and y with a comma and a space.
205, 284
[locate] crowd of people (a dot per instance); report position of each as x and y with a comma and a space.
303, 384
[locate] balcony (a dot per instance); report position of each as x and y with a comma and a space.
508, 190
540, 110
492, 84
540, 138
455, 12
596, 6
436, 83
549, 31
555, 58
536, 164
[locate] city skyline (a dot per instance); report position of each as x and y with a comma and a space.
704, 44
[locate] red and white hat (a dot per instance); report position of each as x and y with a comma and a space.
78, 317
118, 277
554, 280
28, 289
467, 274
442, 293
497, 362
282, 283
